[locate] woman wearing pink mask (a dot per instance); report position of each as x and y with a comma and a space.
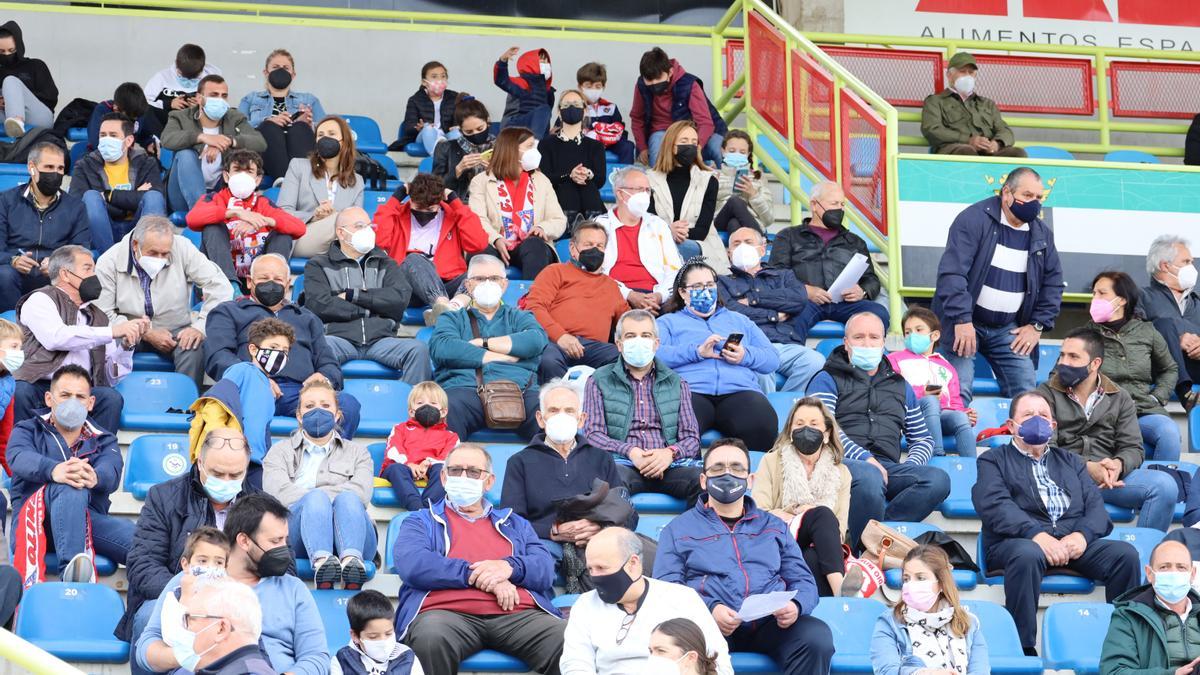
928, 632
1137, 359
429, 117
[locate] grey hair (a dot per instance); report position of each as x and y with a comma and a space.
1015, 176
618, 176
556, 384
63, 258
1162, 250
481, 260
210, 436
585, 225
487, 456
819, 190
865, 314
639, 314
282, 261
35, 153
758, 234
156, 224
629, 543
231, 600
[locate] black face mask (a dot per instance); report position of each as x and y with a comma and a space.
726, 488
269, 293
612, 587
48, 182
89, 287
833, 218
477, 139
8, 59
660, 88
685, 155
273, 361
279, 78
807, 440
427, 416
571, 115
591, 259
423, 217
327, 146
1070, 376
273, 563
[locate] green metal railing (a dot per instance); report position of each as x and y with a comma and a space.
27, 656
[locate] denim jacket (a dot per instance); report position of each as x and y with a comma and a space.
891, 650
257, 105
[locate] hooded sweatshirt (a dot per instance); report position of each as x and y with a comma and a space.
530, 89
32, 72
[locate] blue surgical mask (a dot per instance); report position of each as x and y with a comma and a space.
318, 422
638, 352
215, 108
185, 650
917, 343
71, 413
703, 300
1035, 431
463, 491
13, 359
187, 83
735, 159
866, 358
222, 491
1172, 586
111, 149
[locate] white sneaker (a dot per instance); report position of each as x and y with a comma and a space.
80, 570
14, 127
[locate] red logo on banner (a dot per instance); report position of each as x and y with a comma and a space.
1079, 10
987, 7
1146, 12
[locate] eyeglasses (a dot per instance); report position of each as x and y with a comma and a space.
626, 624
738, 470
187, 619
216, 442
472, 473
360, 225
635, 191
711, 285
495, 278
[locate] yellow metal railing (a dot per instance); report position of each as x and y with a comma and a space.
22, 654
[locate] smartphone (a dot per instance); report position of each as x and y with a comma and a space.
487, 154
738, 175
733, 339
296, 115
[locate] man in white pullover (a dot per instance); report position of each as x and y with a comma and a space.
609, 629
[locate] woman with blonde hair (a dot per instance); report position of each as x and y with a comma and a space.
573, 162
803, 481
929, 632
683, 192
318, 187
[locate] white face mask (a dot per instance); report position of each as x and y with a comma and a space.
593, 95
363, 240
242, 184
965, 85
151, 265
1187, 277
547, 71
745, 256
638, 204
487, 294
531, 159
379, 651
561, 428
661, 665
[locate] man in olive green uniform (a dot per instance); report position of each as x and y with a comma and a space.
958, 121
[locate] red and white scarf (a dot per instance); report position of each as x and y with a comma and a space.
245, 249
31, 540
516, 208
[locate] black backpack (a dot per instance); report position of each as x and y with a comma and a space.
374, 175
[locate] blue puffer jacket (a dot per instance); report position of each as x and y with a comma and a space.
24, 229
420, 560
697, 549
682, 332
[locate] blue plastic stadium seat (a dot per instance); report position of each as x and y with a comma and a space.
1144, 539
864, 156
516, 289
651, 525
496, 436
986, 383
426, 165
1184, 466
1054, 581
282, 425
393, 531
1118, 514
10, 315
382, 495
610, 157
384, 403
501, 453
782, 402
827, 346
105, 567
363, 368
75, 153
331, 605
144, 360
962, 474
606, 191
1047, 152
709, 437
154, 459
993, 412
750, 662
656, 502
492, 661
562, 248
74, 622
296, 265
1047, 359
272, 194
1072, 635
387, 163
297, 288
304, 570
852, 621
19, 170
414, 315
1003, 644
367, 137
827, 329
1135, 156
77, 134
415, 149
756, 458
425, 334
148, 396
373, 199
964, 579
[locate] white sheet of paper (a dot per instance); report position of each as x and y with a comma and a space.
764, 604
849, 276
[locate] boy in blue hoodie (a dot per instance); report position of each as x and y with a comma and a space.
531, 96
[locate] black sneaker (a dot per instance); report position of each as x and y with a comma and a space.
328, 573
354, 574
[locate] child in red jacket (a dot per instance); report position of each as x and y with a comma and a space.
238, 223
417, 448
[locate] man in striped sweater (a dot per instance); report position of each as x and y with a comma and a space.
874, 407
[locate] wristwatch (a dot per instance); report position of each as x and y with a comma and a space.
1039, 327
485, 346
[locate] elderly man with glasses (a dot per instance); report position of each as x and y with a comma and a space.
360, 294
226, 618
487, 343
475, 577
641, 254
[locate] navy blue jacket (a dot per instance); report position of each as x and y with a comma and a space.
724, 566
969, 249
145, 134
35, 448
25, 229
771, 291
228, 331
1007, 500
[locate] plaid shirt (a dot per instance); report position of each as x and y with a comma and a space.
1092, 400
645, 429
1053, 497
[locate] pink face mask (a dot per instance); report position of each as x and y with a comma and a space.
1101, 310
920, 595
435, 87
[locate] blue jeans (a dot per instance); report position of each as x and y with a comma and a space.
1152, 493
407, 355
835, 311
710, 153
797, 363
952, 422
141, 618
536, 120
286, 405
104, 231
111, 537
1160, 434
1014, 372
185, 183
912, 492
411, 497
688, 249
319, 527
868, 498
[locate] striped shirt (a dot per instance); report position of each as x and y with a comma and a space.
1054, 498
1004, 282
645, 429
920, 442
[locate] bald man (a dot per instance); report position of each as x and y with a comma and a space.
361, 294
1156, 626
